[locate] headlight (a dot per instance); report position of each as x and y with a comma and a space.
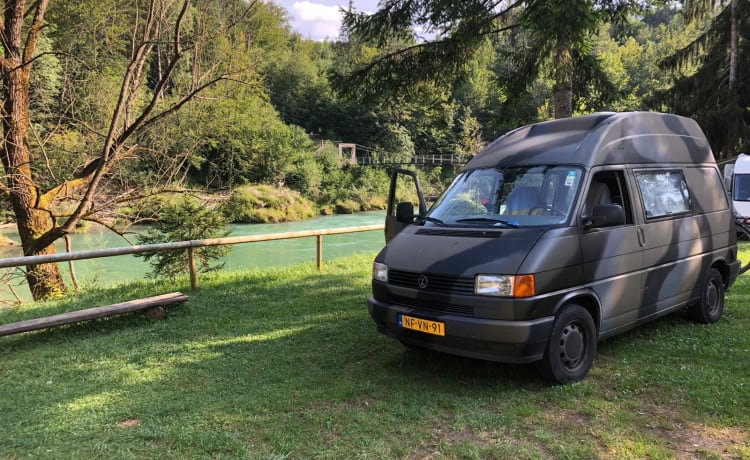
380, 272
505, 285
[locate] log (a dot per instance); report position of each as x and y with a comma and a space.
92, 313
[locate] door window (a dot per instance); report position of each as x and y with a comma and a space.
608, 187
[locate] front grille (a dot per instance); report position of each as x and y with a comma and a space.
429, 305
434, 283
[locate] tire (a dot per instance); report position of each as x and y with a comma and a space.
570, 350
710, 307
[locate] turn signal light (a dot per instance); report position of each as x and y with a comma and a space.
524, 286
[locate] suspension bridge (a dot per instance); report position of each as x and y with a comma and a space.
356, 154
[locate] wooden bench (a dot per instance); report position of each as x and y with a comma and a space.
154, 307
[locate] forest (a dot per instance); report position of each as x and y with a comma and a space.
114, 112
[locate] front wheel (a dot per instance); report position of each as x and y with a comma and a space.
570, 351
711, 304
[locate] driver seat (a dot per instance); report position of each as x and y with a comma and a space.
521, 201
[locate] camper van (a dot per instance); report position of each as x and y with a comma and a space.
737, 175
556, 236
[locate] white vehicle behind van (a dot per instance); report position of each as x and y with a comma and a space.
737, 178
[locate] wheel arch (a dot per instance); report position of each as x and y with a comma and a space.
587, 299
723, 268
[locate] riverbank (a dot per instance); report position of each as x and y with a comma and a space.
258, 204
110, 271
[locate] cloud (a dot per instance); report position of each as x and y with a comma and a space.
316, 21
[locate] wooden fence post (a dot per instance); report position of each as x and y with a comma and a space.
191, 266
320, 252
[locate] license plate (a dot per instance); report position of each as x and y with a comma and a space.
421, 325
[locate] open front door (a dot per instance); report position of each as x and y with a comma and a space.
404, 197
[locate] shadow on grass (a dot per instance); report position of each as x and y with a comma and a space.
290, 361
263, 342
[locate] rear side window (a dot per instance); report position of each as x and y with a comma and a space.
708, 189
664, 193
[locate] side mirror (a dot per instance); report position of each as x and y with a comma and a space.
606, 215
405, 212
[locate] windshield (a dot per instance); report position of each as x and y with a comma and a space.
518, 197
741, 187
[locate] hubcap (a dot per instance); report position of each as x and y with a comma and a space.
572, 346
712, 297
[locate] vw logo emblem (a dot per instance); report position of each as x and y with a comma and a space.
422, 281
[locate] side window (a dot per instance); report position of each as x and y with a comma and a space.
664, 193
608, 187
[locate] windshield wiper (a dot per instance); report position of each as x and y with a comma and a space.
489, 219
423, 219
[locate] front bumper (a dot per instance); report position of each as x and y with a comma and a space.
494, 340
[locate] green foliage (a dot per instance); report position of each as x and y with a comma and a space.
243, 141
187, 220
710, 86
304, 175
486, 71
150, 209
462, 30
397, 143
370, 188
469, 140
266, 204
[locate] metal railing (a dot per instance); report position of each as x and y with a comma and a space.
190, 245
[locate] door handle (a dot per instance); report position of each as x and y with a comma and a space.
641, 237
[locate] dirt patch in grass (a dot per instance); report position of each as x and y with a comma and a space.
445, 440
129, 422
694, 440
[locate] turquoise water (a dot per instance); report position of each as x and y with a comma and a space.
110, 271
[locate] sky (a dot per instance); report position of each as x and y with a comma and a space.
321, 19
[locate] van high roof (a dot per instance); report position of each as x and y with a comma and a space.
601, 139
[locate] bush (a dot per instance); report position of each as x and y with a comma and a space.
187, 220
305, 176
152, 207
266, 204
347, 207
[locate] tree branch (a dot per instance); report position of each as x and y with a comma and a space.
35, 30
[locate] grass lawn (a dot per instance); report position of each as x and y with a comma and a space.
287, 364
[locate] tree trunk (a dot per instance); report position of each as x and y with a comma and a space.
733, 44
563, 88
45, 280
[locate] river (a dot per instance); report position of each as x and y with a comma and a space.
111, 271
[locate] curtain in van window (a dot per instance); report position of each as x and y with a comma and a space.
664, 193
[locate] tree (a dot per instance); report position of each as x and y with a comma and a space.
45, 213
186, 220
717, 94
19, 49
556, 28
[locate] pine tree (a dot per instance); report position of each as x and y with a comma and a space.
717, 95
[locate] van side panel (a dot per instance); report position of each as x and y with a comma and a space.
679, 251
612, 260
706, 187
555, 260
673, 258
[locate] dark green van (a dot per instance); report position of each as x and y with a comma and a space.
558, 235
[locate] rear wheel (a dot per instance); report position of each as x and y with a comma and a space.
710, 307
571, 347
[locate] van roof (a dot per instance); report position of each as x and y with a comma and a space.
604, 138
